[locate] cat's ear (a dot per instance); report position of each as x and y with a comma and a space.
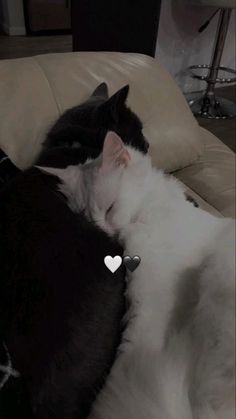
101, 91
116, 102
114, 153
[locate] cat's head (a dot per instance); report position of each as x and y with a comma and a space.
119, 181
95, 117
111, 188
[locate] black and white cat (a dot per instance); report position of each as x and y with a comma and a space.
177, 355
79, 133
60, 308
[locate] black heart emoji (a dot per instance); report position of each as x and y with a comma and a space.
131, 263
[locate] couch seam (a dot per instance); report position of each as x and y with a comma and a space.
49, 85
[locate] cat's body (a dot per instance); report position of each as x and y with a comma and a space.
60, 308
177, 356
61, 336
150, 378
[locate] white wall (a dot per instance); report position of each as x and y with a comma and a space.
12, 17
179, 44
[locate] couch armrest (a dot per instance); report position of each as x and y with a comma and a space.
212, 176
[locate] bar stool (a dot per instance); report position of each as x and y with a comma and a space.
208, 105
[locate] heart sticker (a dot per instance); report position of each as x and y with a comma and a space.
131, 263
112, 263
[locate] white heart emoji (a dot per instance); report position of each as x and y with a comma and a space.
113, 263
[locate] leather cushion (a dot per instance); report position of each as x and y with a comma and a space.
212, 176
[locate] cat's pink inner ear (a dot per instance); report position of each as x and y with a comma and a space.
114, 153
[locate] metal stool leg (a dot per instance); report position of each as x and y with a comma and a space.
208, 105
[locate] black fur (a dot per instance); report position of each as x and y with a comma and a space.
60, 308
7, 169
192, 200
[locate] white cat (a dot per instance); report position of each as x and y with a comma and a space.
177, 356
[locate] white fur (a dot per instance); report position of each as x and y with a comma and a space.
166, 369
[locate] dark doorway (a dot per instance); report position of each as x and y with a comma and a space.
115, 25
47, 16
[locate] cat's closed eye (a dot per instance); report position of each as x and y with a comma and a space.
109, 214
109, 209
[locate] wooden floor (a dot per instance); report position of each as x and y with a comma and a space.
25, 46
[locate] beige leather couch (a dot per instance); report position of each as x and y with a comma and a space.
35, 91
